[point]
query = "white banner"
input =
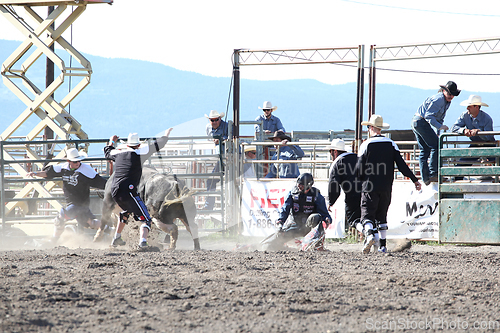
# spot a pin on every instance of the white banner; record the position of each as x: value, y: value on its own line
x: 261, y: 201
x: 412, y: 214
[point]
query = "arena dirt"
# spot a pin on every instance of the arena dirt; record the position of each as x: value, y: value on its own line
x: 82, y: 287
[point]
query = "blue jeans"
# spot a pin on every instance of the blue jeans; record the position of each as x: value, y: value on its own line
x: 81, y: 213
x: 211, y: 187
x: 428, y: 142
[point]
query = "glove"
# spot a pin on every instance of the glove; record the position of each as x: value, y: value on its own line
x: 279, y: 227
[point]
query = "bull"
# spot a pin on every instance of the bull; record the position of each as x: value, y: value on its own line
x: 166, y: 197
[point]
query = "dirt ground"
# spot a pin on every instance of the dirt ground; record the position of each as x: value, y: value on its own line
x: 82, y: 287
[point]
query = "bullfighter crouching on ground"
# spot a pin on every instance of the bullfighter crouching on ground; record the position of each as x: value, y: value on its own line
x: 308, y: 208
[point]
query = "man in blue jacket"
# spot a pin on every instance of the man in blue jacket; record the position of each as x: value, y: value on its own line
x: 270, y: 123
x: 286, y: 152
x: 307, y: 207
x: 470, y: 123
x: 215, y: 128
x: 432, y: 113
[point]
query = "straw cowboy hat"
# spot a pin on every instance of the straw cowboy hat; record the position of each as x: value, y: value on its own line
x: 214, y: 114
x: 451, y: 87
x: 74, y: 155
x: 281, y: 135
x: 376, y: 121
x: 473, y: 100
x: 249, y: 148
x: 268, y: 106
x: 337, y: 144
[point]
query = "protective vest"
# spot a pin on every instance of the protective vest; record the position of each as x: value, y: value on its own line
x: 303, y: 204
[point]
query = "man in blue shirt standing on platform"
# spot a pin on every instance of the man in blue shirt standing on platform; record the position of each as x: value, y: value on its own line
x: 286, y: 152
x: 216, y: 127
x: 271, y: 123
x: 432, y: 113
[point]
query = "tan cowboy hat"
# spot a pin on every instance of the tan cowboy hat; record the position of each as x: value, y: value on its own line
x: 74, y: 155
x: 337, y: 144
x: 376, y: 121
x: 473, y: 100
x: 281, y: 135
x: 214, y: 114
x: 268, y: 106
x: 249, y: 148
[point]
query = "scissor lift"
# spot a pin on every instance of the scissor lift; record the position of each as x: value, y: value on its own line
x: 39, y: 101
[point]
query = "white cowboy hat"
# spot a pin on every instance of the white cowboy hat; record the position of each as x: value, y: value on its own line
x: 473, y: 100
x: 268, y: 106
x: 133, y: 140
x: 376, y: 121
x: 214, y: 114
x: 74, y: 155
x: 337, y: 144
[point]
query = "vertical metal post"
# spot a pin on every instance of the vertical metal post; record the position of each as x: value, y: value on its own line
x: 49, y: 79
x: 260, y: 151
x: 371, y: 83
x: 2, y: 183
x: 236, y: 93
x: 359, y: 99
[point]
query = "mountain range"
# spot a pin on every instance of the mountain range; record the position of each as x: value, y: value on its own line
x: 138, y: 96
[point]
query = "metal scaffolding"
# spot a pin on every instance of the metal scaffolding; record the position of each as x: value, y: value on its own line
x: 354, y: 54
x: 425, y: 51
x: 40, y: 101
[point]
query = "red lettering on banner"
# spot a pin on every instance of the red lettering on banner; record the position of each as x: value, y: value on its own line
x: 274, y: 198
x: 256, y: 198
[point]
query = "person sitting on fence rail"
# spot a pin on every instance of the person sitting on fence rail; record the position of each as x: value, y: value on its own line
x: 474, y: 120
x: 470, y: 123
x: 375, y: 169
x: 216, y: 127
x: 270, y: 123
x: 77, y: 179
x: 248, y: 168
x: 343, y: 176
x: 286, y: 152
x: 307, y: 207
x: 432, y: 113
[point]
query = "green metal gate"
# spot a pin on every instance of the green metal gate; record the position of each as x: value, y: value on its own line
x: 469, y: 209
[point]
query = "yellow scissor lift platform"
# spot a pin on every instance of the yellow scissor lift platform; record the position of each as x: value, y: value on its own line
x: 39, y: 101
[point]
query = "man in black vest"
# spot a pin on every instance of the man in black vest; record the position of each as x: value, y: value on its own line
x: 343, y: 176
x: 128, y: 163
x: 308, y: 208
x: 375, y: 168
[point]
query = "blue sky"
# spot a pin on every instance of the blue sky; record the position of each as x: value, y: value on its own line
x: 200, y: 36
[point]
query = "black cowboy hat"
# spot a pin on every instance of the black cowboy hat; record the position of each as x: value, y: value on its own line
x: 281, y: 135
x: 451, y: 87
